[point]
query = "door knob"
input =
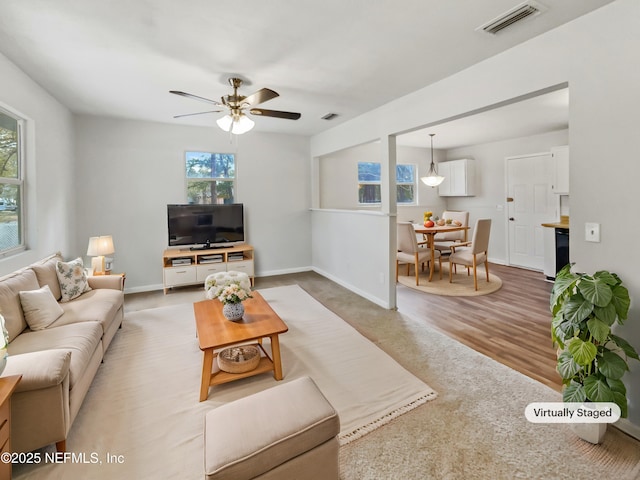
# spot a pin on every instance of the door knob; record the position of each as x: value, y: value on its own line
x: 511, y: 219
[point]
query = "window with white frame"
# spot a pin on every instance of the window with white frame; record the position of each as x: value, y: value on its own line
x: 369, y: 181
x: 11, y: 184
x: 210, y: 177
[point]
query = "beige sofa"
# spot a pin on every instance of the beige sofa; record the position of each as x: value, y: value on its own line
x: 57, y: 363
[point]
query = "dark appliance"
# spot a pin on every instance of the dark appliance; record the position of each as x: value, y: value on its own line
x: 562, y: 248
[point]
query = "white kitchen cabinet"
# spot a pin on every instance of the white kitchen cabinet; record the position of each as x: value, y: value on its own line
x: 561, y: 160
x: 459, y: 178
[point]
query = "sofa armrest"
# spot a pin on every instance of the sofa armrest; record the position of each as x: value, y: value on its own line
x: 39, y: 370
x: 114, y: 282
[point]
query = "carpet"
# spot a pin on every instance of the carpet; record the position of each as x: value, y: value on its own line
x: 142, y: 411
x: 462, y: 285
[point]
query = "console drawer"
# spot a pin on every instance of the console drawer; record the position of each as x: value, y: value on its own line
x: 180, y: 276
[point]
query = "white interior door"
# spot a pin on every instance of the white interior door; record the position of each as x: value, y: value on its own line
x: 530, y: 203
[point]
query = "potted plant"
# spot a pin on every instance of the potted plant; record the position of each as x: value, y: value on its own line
x: 591, y: 359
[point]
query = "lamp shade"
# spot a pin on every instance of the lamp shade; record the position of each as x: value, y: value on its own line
x: 100, y: 246
x: 432, y: 180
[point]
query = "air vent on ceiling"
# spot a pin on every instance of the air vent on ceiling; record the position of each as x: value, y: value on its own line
x: 329, y: 116
x: 512, y: 16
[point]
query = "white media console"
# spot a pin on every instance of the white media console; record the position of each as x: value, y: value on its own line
x: 190, y: 267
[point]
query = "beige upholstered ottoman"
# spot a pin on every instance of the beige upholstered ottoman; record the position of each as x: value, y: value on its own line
x: 287, y: 432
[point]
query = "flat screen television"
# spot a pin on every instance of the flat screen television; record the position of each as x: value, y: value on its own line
x: 205, y: 226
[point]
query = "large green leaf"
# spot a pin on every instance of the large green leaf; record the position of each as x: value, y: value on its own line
x: 582, y: 352
x: 606, y: 314
x: 626, y: 347
x: 607, y: 277
x: 597, y: 390
x: 562, y: 286
x: 561, y: 330
x: 617, y: 386
x: 612, y: 365
x: 621, y: 400
x: 567, y: 367
x: 598, y: 330
x: 574, y: 392
x: 577, y: 308
x: 595, y: 290
x: 621, y: 301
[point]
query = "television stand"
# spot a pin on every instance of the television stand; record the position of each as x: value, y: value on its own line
x: 198, y: 264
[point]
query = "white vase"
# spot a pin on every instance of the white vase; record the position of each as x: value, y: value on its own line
x: 233, y: 311
x: 590, y: 432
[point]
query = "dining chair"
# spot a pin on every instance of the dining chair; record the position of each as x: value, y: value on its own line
x: 444, y: 241
x: 409, y: 251
x: 471, y: 254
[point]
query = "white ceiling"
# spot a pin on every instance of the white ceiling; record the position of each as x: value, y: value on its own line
x: 541, y: 114
x: 120, y: 58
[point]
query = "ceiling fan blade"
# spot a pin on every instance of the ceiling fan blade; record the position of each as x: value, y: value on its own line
x: 199, y: 113
x: 261, y: 96
x: 196, y: 97
x: 275, y: 113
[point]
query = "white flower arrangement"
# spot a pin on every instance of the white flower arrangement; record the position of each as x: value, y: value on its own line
x: 4, y: 338
x: 228, y: 287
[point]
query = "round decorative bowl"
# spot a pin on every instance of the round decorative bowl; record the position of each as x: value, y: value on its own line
x: 239, y: 359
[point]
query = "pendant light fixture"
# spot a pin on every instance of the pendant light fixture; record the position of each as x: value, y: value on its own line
x: 432, y: 179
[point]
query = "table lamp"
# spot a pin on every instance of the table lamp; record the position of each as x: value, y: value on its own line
x: 98, y: 248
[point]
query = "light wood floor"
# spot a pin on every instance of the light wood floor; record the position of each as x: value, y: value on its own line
x: 512, y: 325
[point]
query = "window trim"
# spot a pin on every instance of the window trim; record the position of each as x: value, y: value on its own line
x: 233, y: 180
x: 21, y: 181
x: 379, y: 182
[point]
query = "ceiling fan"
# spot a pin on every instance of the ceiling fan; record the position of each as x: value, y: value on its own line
x: 236, y: 121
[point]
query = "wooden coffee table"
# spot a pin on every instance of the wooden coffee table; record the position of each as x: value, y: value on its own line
x: 216, y: 332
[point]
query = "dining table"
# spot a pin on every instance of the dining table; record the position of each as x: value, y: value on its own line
x: 431, y: 232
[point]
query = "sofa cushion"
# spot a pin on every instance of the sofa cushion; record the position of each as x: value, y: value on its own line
x: 72, y: 279
x: 39, y: 307
x: 45, y: 271
x: 81, y: 339
x: 98, y: 305
x: 254, y: 434
x: 10, y: 307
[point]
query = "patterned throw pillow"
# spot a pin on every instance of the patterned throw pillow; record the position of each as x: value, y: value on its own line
x: 72, y: 279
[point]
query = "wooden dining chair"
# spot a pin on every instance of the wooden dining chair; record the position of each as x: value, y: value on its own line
x: 409, y: 251
x: 471, y: 254
x: 444, y: 241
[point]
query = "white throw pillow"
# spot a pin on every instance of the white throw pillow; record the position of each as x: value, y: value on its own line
x: 40, y: 308
x: 72, y: 279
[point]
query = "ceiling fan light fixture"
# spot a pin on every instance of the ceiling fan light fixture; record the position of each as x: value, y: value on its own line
x: 237, y: 124
x: 242, y: 124
x: 225, y: 122
x: 432, y: 179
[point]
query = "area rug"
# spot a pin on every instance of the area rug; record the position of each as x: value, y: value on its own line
x: 142, y: 417
x: 462, y: 285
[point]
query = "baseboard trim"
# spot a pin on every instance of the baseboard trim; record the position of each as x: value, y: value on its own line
x: 629, y: 428
x: 353, y: 288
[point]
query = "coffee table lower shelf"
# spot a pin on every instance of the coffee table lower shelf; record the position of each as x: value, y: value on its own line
x: 266, y: 365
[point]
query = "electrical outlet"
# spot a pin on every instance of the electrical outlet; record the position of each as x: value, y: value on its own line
x: 592, y: 232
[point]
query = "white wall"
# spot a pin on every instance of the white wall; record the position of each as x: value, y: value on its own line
x: 597, y: 56
x: 130, y: 171
x: 338, y: 179
x: 490, y: 198
x: 50, y: 173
